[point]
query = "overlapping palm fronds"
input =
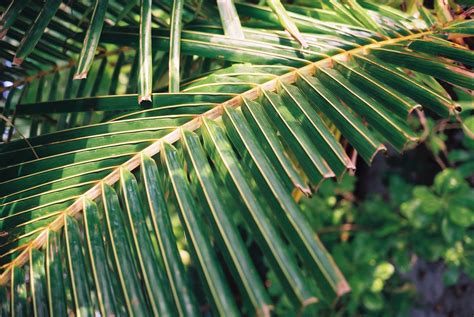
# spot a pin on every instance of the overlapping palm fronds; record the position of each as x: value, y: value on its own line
x: 226, y: 131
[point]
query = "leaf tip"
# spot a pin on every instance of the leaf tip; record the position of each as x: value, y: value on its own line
x: 309, y: 301
x: 265, y: 310
x: 144, y: 99
x: 329, y: 174
x: 350, y: 166
x: 80, y: 75
x: 303, y: 42
x: 381, y: 148
x: 304, y: 189
x: 342, y: 288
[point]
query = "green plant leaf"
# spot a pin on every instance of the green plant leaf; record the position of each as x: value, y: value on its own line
x: 213, y: 170
x: 91, y: 39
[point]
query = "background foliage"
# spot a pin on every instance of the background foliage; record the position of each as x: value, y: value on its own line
x: 405, y: 237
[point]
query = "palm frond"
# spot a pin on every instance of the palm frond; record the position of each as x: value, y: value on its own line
x: 88, y: 226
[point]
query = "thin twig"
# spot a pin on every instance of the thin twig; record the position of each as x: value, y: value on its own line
x: 424, y: 125
x: 342, y: 228
x: 57, y: 68
x: 354, y: 161
x: 439, y: 161
x: 21, y: 134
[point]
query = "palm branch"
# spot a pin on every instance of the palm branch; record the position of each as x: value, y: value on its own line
x: 222, y: 130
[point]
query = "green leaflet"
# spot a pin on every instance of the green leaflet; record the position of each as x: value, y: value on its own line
x: 4, y: 305
x: 296, y: 139
x: 362, y: 15
x: 231, y: 172
x: 392, y: 128
x: 439, y: 47
x: 230, y: 19
x: 245, y: 271
x: 460, y: 27
x: 119, y: 102
x: 29, y: 41
x: 38, y: 283
x: 126, y: 269
x: 77, y: 268
x: 291, y: 220
x: 175, y: 46
x: 18, y: 293
x: 179, y: 284
x: 116, y: 73
x: 105, y: 290
x: 9, y: 16
x: 152, y: 271
x: 286, y: 21
x: 54, y: 276
x: 145, y: 53
x: 427, y: 16
x: 404, y: 84
x: 314, y: 126
x: 191, y: 219
x: 99, y: 77
x: 91, y: 39
x: 265, y: 132
x: 349, y: 125
x: 400, y: 105
x: 134, y: 74
x: 443, y: 71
